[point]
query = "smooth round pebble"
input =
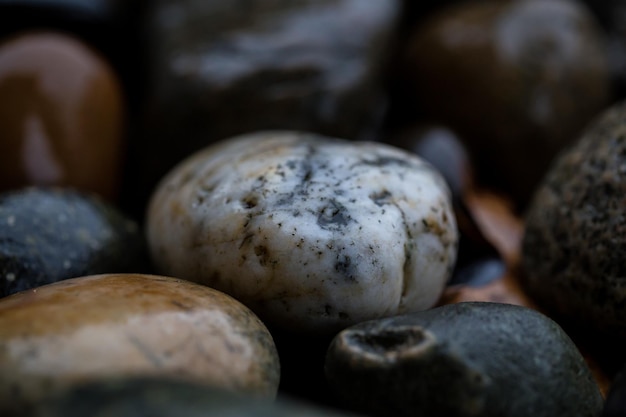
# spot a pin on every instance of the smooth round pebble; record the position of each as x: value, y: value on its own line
x: 575, y: 237
x: 139, y: 397
x: 466, y: 359
x: 51, y: 234
x: 312, y: 233
x: 116, y: 325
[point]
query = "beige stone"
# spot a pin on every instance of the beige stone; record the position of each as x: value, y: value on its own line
x: 130, y: 325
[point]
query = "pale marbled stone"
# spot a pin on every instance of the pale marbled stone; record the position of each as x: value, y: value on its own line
x: 312, y: 233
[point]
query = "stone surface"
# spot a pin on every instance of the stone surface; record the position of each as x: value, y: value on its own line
x: 478, y: 262
x: 576, y: 231
x: 220, y: 69
x: 312, y: 233
x: 516, y: 80
x: 117, y: 325
x: 466, y: 359
x: 61, y: 115
x: 139, y: 397
x: 47, y: 235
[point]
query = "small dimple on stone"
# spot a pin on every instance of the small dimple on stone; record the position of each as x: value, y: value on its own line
x: 11, y: 221
x: 386, y: 342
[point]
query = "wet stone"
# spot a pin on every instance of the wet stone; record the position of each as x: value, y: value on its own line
x: 575, y: 237
x: 51, y: 234
x: 466, y: 359
x: 61, y: 115
x: 92, y: 328
x: 518, y: 81
x: 220, y: 69
x: 313, y: 233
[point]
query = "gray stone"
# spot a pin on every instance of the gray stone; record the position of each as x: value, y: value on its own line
x: 48, y: 235
x: 223, y: 68
x: 467, y: 359
x: 575, y: 240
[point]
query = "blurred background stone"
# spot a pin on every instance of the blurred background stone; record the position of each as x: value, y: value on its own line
x: 109, y: 26
x: 62, y: 115
x: 612, y: 16
x: 219, y: 69
x: 517, y: 80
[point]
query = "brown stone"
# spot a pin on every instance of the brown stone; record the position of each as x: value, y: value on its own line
x: 121, y: 325
x: 516, y: 80
x: 61, y: 115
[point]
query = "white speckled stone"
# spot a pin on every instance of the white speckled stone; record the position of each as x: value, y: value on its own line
x: 312, y: 233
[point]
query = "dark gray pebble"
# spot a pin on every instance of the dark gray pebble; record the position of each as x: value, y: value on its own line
x: 467, y: 359
x: 575, y: 239
x: 139, y: 397
x: 47, y: 235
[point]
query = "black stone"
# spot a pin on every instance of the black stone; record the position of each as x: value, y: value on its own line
x: 47, y: 235
x: 467, y: 359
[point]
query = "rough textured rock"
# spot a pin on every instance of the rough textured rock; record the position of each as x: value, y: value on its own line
x: 61, y: 116
x: 51, y: 234
x: 91, y: 328
x: 139, y: 397
x: 312, y: 233
x: 576, y: 231
x: 517, y: 80
x: 466, y: 359
x: 223, y: 68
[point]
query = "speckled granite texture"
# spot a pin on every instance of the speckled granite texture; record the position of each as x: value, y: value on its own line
x: 575, y: 240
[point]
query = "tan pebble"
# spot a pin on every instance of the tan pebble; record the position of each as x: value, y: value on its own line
x: 127, y: 325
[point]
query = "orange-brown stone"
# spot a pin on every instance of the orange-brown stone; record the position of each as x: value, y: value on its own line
x: 119, y: 325
x: 61, y: 115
